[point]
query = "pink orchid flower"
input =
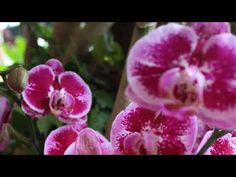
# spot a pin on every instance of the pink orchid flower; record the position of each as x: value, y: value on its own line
x: 5, y: 113
x: 139, y: 131
x: 225, y: 145
x: 186, y: 70
x: 51, y: 89
x: 76, y: 139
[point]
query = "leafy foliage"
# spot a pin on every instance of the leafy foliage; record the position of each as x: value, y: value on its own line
x: 107, y: 50
x: 44, y: 124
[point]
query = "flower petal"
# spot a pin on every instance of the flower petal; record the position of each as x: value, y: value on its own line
x: 35, y: 95
x: 75, y: 85
x: 150, y: 142
x: 31, y: 112
x: 88, y: 143
x: 135, y: 98
x: 166, y: 47
x: 56, y: 66
x: 172, y: 136
x: 5, y: 111
x: 132, y: 144
x: 60, y: 139
x: 219, y: 96
x: 70, y: 150
x: 106, y: 148
x: 225, y: 145
x: 205, y: 30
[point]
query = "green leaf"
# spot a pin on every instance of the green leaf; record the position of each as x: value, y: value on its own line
x: 16, y: 52
x: 103, y: 98
x: 3, y: 68
x: 44, y: 124
x: 97, y: 119
x: 20, y: 122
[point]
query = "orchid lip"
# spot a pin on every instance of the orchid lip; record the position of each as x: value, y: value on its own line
x: 182, y: 85
x: 61, y: 102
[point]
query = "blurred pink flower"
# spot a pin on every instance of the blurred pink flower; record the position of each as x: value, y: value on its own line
x: 186, y: 70
x: 140, y: 131
x: 76, y: 139
x: 5, y: 113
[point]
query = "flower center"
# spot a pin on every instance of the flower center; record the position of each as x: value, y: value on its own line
x: 184, y: 85
x: 145, y: 142
x: 61, y: 103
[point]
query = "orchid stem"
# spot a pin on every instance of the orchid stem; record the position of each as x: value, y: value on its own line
x: 18, y: 135
x: 35, y: 140
x: 215, y: 135
x: 10, y: 68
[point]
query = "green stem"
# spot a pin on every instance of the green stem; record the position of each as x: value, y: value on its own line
x: 35, y: 140
x: 215, y: 135
x: 10, y: 68
x: 19, y: 136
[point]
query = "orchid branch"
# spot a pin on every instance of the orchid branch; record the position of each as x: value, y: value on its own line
x: 215, y: 135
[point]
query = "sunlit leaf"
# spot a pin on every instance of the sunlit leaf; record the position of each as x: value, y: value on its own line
x: 16, y: 52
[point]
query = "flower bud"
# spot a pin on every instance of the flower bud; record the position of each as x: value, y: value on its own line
x: 17, y: 79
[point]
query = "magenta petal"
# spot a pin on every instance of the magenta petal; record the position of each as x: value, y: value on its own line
x: 135, y: 98
x: 206, y: 30
x: 30, y: 112
x: 106, y: 148
x: 70, y: 150
x: 219, y: 96
x: 150, y: 142
x: 172, y: 136
x: 60, y: 139
x: 168, y: 46
x: 56, y: 66
x: 132, y: 144
x: 88, y: 143
x: 40, y: 81
x: 75, y: 85
x: 225, y: 145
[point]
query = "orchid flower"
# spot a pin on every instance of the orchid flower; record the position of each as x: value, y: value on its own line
x: 50, y: 89
x: 76, y: 139
x: 140, y: 131
x: 186, y: 70
x: 5, y: 114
